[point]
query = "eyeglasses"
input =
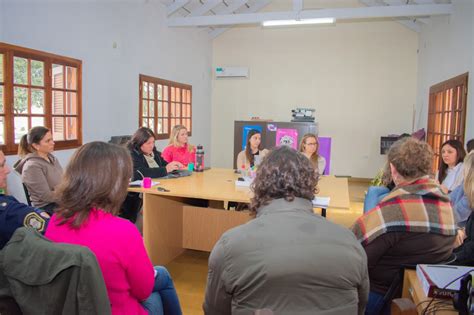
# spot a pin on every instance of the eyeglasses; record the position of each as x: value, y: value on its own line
x: 312, y: 143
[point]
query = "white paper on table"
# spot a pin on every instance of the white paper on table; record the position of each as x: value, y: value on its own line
x: 322, y: 202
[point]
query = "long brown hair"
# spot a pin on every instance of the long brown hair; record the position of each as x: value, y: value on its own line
x: 460, y: 154
x: 35, y: 135
x: 96, y: 177
x: 314, y: 157
x: 248, y: 149
x: 139, y: 138
x: 283, y: 173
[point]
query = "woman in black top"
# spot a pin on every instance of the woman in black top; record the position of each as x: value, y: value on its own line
x: 147, y: 162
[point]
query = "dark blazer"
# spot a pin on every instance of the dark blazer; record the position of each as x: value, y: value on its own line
x: 140, y: 165
x: 51, y: 278
x: 465, y: 252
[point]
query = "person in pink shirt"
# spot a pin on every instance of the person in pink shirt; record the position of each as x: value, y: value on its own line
x: 179, y: 149
x: 89, y: 197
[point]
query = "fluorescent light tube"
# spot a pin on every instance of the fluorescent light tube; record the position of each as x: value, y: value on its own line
x: 298, y: 22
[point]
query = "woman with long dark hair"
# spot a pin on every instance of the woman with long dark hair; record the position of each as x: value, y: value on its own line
x: 253, y: 154
x: 450, y: 173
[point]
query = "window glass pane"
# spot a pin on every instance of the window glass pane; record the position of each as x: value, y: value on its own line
x: 37, y: 121
x: 37, y: 73
x: 145, y: 122
x: 1, y: 99
x: 144, y: 108
x: 165, y: 125
x: 58, y: 128
x: 165, y: 92
x: 145, y: 90
x: 178, y: 111
x: 160, y: 92
x: 152, y: 91
x: 37, y: 101
x: 160, y: 109
x: 178, y: 95
x: 58, y: 76
x: 71, y: 103
x: 1, y: 69
x: 21, y: 127
x: 159, y: 126
x: 20, y: 100
x: 151, y: 124
x: 71, y: 78
x: 188, y: 92
x: 71, y: 128
x: 20, y: 70
x: 173, y: 94
x: 152, y: 109
x: 58, y: 102
x: 165, y: 109
x: 173, y: 111
x: 2, y: 130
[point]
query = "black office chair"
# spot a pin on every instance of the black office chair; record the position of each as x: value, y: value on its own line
x: 395, y: 289
x: 27, y: 195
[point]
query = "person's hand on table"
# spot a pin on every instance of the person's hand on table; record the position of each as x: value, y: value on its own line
x: 173, y: 166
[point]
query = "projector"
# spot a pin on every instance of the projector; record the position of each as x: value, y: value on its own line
x: 302, y: 115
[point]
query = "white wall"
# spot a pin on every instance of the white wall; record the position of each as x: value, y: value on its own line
x: 447, y: 50
x: 360, y: 77
x: 87, y: 30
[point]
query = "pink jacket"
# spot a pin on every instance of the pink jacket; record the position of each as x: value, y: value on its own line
x: 180, y: 154
x: 119, y: 248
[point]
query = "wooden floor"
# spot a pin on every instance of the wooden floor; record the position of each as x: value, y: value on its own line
x: 189, y: 271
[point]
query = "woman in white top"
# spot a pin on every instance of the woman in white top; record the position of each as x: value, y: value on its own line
x: 309, y: 146
x: 252, y: 155
x: 450, y: 173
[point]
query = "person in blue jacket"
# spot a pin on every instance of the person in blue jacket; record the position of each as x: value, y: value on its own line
x: 14, y: 214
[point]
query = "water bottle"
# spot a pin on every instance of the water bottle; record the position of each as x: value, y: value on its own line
x: 199, y: 166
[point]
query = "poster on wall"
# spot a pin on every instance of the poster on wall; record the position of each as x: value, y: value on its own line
x: 245, y: 131
x: 288, y: 137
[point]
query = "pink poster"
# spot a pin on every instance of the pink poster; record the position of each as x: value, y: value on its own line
x: 287, y: 137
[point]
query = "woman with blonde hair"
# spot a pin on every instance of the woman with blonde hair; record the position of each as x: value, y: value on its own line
x: 179, y: 150
x: 309, y: 146
x: 465, y: 252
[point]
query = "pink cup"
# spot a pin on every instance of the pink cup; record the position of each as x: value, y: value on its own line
x: 146, y: 183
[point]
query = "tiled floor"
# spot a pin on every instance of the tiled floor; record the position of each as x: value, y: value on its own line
x: 189, y: 271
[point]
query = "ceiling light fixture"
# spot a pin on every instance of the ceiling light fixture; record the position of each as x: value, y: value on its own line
x: 298, y: 22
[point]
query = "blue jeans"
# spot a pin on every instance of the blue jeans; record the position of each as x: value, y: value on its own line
x: 373, y: 196
x: 163, y: 298
x: 374, y: 305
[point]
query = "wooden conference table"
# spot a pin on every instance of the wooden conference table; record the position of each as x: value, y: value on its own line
x: 172, y: 224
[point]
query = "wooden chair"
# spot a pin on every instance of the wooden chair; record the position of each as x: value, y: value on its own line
x: 403, y: 306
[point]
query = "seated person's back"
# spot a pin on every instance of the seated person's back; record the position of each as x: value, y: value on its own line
x: 287, y: 259
x: 413, y: 224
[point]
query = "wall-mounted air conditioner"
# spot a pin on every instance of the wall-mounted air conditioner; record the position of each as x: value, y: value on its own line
x: 232, y: 72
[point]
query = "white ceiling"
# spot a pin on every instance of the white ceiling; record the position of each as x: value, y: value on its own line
x: 217, y: 16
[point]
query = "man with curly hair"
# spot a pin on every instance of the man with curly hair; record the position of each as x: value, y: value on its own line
x: 287, y: 259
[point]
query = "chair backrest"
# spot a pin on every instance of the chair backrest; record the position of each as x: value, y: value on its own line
x: 16, y: 188
x: 27, y: 195
x: 395, y: 289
